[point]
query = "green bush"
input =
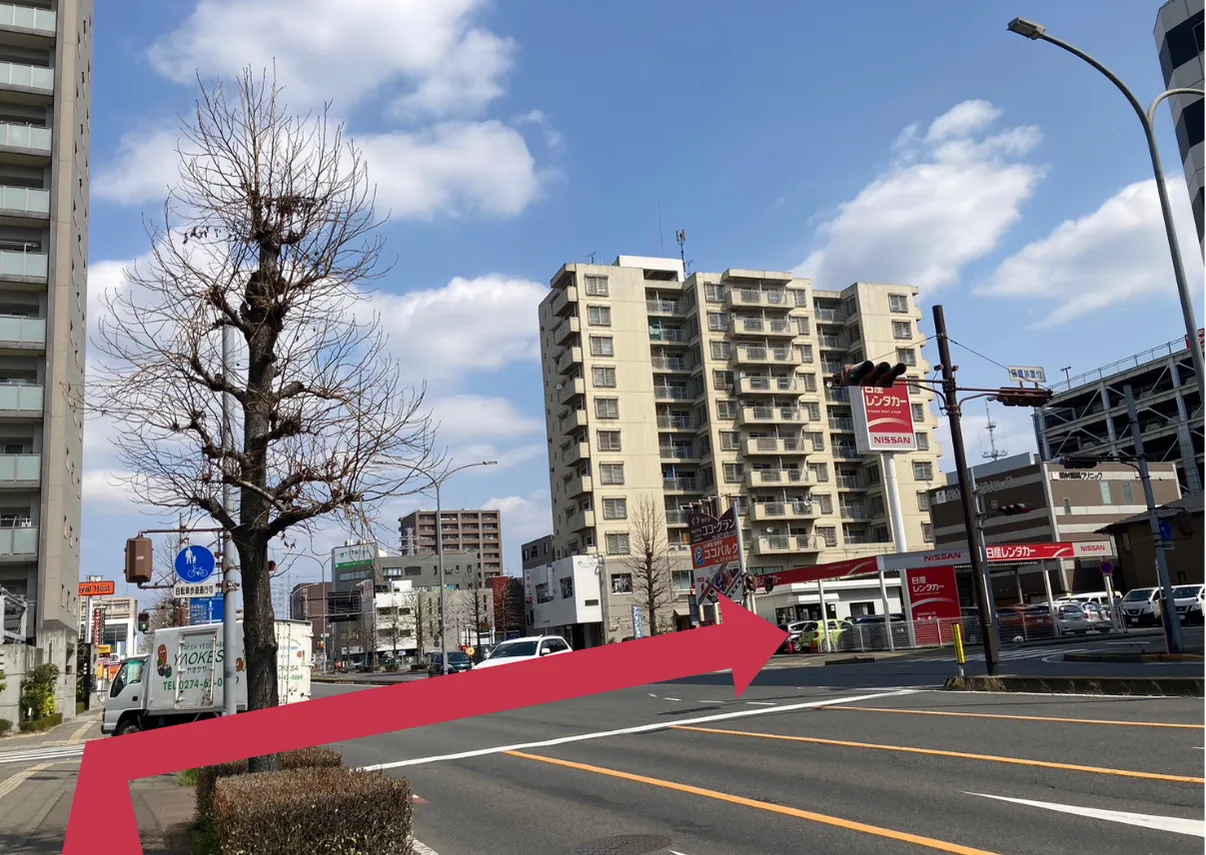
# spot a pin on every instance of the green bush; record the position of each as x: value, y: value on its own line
x: 5, y: 726
x: 38, y: 725
x: 313, y: 811
x: 208, y: 776
x: 37, y: 692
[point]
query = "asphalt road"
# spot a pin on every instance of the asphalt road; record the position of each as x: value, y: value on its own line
x: 687, y: 768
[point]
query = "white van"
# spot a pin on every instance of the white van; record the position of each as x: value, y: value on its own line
x: 1141, y: 606
x: 1190, y: 601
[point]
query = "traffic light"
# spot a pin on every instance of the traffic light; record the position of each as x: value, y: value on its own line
x: 1015, y: 509
x: 144, y: 622
x: 868, y: 373
x: 138, y: 560
x: 768, y: 583
x: 1021, y: 396
x: 750, y: 584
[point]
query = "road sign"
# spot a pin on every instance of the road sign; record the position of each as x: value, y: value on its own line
x: 195, y: 564
x: 883, y: 419
x: 1106, y: 568
x: 1027, y: 373
x: 185, y: 591
x: 205, y: 610
x: 98, y: 588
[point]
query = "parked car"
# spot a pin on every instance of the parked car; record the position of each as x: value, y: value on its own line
x: 1099, y: 617
x: 525, y: 650
x: 1141, y: 606
x: 791, y: 644
x: 457, y: 662
x: 1189, y: 601
x: 1022, y: 623
x: 866, y: 632
x: 813, y: 633
x: 1071, y: 619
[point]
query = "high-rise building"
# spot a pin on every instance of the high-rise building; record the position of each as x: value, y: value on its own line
x: 473, y: 531
x: 661, y: 389
x: 1179, y: 41
x: 1087, y: 414
x: 45, y: 137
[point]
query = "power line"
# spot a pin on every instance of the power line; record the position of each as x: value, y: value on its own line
x: 981, y: 355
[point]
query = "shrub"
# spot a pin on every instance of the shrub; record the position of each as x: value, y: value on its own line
x: 207, y: 777
x: 38, y: 725
x: 37, y: 692
x: 5, y: 726
x: 313, y: 811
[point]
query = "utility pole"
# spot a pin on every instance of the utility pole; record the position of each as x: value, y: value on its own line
x: 983, y: 586
x: 230, y: 697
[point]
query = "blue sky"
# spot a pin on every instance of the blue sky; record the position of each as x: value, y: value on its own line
x: 508, y: 139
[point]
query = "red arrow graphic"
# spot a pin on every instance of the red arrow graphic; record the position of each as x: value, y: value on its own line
x: 743, y: 643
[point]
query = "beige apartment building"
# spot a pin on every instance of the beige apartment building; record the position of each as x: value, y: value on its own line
x: 662, y: 388
x: 45, y: 138
x: 461, y: 530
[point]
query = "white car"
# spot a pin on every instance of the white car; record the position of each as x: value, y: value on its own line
x: 524, y: 650
x: 1141, y: 605
x: 1189, y: 600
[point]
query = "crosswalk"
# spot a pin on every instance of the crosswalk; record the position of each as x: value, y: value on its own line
x: 56, y: 753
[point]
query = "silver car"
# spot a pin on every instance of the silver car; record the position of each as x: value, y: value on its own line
x: 1098, y: 617
x: 1071, y: 619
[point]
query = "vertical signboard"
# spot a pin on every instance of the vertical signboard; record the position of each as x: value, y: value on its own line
x: 883, y: 419
x: 638, y: 623
x: 715, y: 553
x: 934, y: 602
x: 98, y: 626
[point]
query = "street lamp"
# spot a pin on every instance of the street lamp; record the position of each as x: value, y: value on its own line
x: 1037, y: 32
x: 436, y: 483
x: 323, y: 624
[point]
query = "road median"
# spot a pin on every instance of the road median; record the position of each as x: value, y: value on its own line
x: 1146, y: 686
x: 1131, y: 657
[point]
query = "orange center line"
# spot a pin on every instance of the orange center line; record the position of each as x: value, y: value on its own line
x: 1020, y: 717
x: 938, y: 752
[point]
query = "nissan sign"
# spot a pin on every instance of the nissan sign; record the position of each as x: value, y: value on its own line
x: 883, y: 419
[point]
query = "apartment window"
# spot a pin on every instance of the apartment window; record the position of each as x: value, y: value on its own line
x: 621, y: 583
x: 923, y: 501
x: 820, y: 471
x: 722, y: 380
x: 607, y: 408
x: 721, y: 350
x: 919, y: 412
x: 906, y: 356
x: 923, y: 441
x: 617, y: 544
x: 806, y: 353
x: 802, y: 326
x: 927, y: 532
x: 1106, y: 499
x: 602, y: 345
x: 682, y: 580
x: 611, y: 474
x: 732, y: 473
x: 596, y: 286
x: 824, y: 502
x: 1128, y: 494
x: 726, y: 409
x: 923, y: 471
x: 714, y: 293
x: 598, y: 316
x: 609, y: 440
x: 718, y: 321
x: 810, y: 382
x: 818, y: 441
x: 902, y: 329
x: 615, y: 509
x: 1067, y: 507
x: 827, y: 534
x: 604, y: 378
x: 813, y: 410
x: 898, y: 303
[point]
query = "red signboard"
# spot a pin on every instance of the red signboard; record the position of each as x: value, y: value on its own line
x: 104, y: 588
x: 98, y: 625
x: 934, y: 598
x: 833, y: 570
x: 884, y: 419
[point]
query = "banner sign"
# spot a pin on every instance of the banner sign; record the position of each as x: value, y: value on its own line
x: 715, y: 553
x: 883, y: 419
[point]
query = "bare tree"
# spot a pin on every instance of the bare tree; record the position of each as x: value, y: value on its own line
x: 650, y: 561
x: 270, y: 236
x: 508, y: 608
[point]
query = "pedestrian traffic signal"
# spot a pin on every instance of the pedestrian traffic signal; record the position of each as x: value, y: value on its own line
x: 144, y: 621
x: 1021, y: 396
x: 768, y: 583
x: 1015, y: 509
x: 867, y: 373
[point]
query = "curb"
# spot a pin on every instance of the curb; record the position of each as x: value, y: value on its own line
x: 1191, y: 687
x: 1134, y: 657
x: 853, y: 660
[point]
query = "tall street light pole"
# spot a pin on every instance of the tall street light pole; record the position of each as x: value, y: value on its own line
x: 1037, y: 32
x: 437, y: 483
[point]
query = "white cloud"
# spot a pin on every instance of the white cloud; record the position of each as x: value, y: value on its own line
x: 477, y: 416
x: 1014, y: 434
x: 1114, y: 255
x: 147, y: 164
x: 552, y: 137
x: 349, y: 50
x: 524, y: 518
x: 104, y: 492
x: 949, y: 196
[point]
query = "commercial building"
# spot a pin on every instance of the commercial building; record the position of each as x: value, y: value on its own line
x: 477, y: 531
x: 1088, y: 414
x: 45, y: 140
x: 538, y: 552
x: 1179, y: 42
x: 1065, y: 505
x: 308, y: 601
x: 1136, y: 547
x: 116, y: 618
x: 661, y: 389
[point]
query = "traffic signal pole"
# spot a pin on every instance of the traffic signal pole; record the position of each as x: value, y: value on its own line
x: 979, y: 562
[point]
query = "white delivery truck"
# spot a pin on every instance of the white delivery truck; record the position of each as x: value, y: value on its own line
x: 179, y: 679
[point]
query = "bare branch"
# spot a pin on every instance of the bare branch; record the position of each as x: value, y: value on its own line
x: 650, y: 561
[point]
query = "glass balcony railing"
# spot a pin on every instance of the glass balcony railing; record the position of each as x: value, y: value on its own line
x: 26, y: 76
x: 27, y: 18
x: 22, y: 330
x: 20, y: 467
x: 18, y: 540
x: 33, y: 265
x: 24, y: 136
x: 15, y: 397
x: 25, y: 199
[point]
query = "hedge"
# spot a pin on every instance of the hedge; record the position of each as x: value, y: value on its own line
x: 313, y: 811
x: 40, y: 725
x: 208, y: 776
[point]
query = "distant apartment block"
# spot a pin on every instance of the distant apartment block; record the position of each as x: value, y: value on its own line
x: 1179, y: 42
x: 478, y: 531
x: 662, y: 388
x: 1088, y: 412
x: 538, y: 552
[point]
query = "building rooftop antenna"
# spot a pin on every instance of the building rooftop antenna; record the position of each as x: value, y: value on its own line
x: 681, y: 237
x: 993, y: 453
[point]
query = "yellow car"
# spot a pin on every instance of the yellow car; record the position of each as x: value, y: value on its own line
x: 812, y: 635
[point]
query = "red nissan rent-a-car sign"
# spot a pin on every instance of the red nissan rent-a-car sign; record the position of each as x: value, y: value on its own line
x: 883, y: 419
x: 934, y: 597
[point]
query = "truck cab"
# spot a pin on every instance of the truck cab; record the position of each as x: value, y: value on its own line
x: 127, y: 694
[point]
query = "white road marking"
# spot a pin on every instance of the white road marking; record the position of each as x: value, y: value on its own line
x: 422, y: 848
x: 705, y: 701
x: 66, y: 752
x: 760, y: 703
x: 628, y: 731
x: 1175, y: 824
x: 676, y: 700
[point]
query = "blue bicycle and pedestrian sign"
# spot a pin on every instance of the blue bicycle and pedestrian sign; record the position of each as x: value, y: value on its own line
x: 195, y: 564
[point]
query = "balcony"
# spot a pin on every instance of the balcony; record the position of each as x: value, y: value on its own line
x: 580, y: 520
x: 565, y: 328
x: 678, y: 452
x: 569, y: 357
x: 843, y: 451
x: 18, y: 542
x: 40, y: 21
x: 779, y: 478
x: 575, y: 420
x: 24, y: 202
x: 783, y: 544
x: 772, y: 416
x: 578, y: 486
x: 829, y: 316
x: 570, y: 389
x: 841, y: 424
x: 767, y: 511
x: 775, y: 445
x: 20, y: 399
x: 850, y: 482
x: 765, y: 355
x: 663, y: 307
x: 672, y: 393
x: 33, y: 78
x: 680, y: 485
x: 768, y: 386
x: 765, y: 327
x: 676, y: 517
x: 25, y: 138
x: 854, y: 512
x: 670, y: 363
x: 837, y: 395
x: 833, y: 342
x: 20, y: 470
x: 18, y: 332
x: 576, y: 452
x: 565, y: 302
x: 667, y: 335
x: 750, y: 298
x: 26, y: 266
x: 666, y: 421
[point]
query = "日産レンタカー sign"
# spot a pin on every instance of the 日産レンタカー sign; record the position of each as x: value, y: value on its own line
x: 883, y: 419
